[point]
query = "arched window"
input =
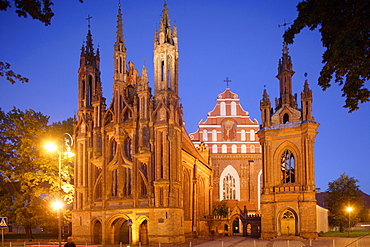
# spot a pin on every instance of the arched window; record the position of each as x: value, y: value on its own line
x: 144, y: 190
x: 214, y: 135
x: 205, y: 135
x: 243, y: 136
x: 253, y: 149
x: 287, y: 167
x: 229, y: 188
x: 233, y: 108
x: 234, y: 149
x: 252, y: 135
x: 244, y: 149
x: 128, y: 148
x: 214, y: 148
x: 115, y: 183
x: 222, y: 109
x: 128, y: 182
x: 224, y: 148
x: 229, y: 184
x: 286, y: 118
x: 113, y: 147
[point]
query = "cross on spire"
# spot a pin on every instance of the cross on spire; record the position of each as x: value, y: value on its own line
x: 88, y: 20
x: 227, y: 82
x: 284, y: 24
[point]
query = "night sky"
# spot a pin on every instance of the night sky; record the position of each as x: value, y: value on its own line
x: 238, y: 39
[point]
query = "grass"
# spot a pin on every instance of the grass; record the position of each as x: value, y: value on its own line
x: 345, y: 234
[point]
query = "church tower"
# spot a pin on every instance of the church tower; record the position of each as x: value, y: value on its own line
x: 287, y: 136
x: 167, y: 128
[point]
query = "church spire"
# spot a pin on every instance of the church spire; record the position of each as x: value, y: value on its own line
x: 165, y: 56
x: 87, y: 51
x: 119, y: 50
x: 285, y: 73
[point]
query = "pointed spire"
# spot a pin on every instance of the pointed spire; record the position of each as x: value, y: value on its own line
x: 166, y: 34
x: 265, y: 98
x: 285, y: 63
x: 119, y: 32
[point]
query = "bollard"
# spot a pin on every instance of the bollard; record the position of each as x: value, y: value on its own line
x: 333, y: 243
x: 39, y: 244
x: 222, y: 243
x: 288, y: 244
x: 139, y: 244
x: 10, y: 244
x: 24, y: 244
x: 120, y: 244
x: 254, y: 243
x: 159, y: 244
x: 190, y: 244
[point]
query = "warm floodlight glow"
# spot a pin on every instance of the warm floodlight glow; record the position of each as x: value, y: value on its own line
x: 57, y: 205
x: 51, y: 147
x: 349, y: 209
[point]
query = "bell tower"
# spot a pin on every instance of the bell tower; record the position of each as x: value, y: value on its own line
x: 167, y: 134
x: 287, y: 136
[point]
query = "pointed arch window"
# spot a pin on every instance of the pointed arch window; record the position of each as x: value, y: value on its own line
x: 287, y: 167
x: 113, y: 147
x: 286, y: 118
x: 114, y: 183
x: 229, y: 187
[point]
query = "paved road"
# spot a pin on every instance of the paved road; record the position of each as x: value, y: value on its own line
x: 239, y: 241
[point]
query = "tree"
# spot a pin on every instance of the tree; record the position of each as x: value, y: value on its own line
x: 344, y: 27
x: 343, y: 193
x: 28, y: 174
x: 37, y: 9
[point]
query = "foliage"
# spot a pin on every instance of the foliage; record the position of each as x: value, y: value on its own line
x: 29, y: 176
x: 343, y: 193
x: 9, y: 74
x: 344, y: 27
x: 220, y: 209
x: 354, y: 234
x: 37, y: 9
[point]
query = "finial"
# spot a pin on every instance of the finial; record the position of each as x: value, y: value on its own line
x: 284, y: 24
x: 227, y: 82
x: 88, y: 20
x: 119, y: 4
x: 305, y: 75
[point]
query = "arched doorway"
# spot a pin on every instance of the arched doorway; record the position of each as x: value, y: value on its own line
x: 143, y: 237
x: 288, y: 223
x: 121, y: 231
x: 97, y: 232
x: 236, y: 224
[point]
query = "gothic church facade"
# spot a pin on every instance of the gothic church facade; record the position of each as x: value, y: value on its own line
x: 138, y: 177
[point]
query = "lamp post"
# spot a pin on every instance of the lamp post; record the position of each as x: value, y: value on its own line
x: 349, y: 209
x: 58, y: 205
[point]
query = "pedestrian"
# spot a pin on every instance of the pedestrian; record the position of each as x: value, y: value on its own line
x: 70, y: 243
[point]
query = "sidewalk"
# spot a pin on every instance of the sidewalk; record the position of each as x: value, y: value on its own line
x: 240, y: 241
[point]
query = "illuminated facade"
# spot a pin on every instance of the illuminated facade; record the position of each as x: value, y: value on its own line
x: 235, y: 151
x: 287, y: 136
x: 138, y: 178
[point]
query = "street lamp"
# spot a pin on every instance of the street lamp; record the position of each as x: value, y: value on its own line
x: 65, y: 150
x: 349, y: 209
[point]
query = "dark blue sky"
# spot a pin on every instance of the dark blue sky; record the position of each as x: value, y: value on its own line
x: 238, y: 39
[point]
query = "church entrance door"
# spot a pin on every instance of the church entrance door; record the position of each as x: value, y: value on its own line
x: 121, y: 231
x: 144, y: 233
x: 288, y: 223
x: 97, y: 232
